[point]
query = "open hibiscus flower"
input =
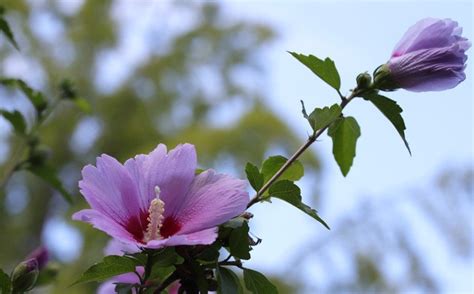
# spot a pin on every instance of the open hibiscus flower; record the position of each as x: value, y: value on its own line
x: 156, y: 200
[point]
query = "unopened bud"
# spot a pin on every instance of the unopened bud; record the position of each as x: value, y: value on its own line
x: 24, y: 275
x: 383, y: 79
x: 363, y: 80
x: 39, y: 155
x: 41, y: 255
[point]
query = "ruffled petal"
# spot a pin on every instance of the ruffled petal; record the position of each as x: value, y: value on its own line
x: 140, y: 167
x: 105, y: 224
x: 211, y: 200
x: 428, y: 33
x: 172, y: 172
x: 109, y: 189
x: 204, y: 237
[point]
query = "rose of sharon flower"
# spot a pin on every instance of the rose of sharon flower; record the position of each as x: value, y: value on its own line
x: 156, y: 200
x: 429, y: 57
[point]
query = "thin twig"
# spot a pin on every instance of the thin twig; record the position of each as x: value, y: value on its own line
x: 258, y: 197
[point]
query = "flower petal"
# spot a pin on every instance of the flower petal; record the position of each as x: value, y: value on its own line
x: 211, y: 200
x: 204, y: 237
x: 116, y: 247
x: 172, y: 172
x: 428, y: 33
x: 109, y: 189
x: 105, y: 224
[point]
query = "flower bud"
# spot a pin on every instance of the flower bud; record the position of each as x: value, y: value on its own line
x: 24, y: 275
x: 363, y: 80
x: 41, y: 255
x: 39, y: 155
x: 383, y: 79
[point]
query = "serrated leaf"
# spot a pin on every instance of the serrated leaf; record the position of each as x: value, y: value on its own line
x: 110, y: 266
x: 228, y: 282
x: 16, y: 119
x: 274, y: 163
x: 49, y: 175
x: 322, y: 117
x: 344, y: 133
x: 289, y: 192
x: 239, y: 242
x: 392, y: 111
x: 5, y: 283
x: 36, y: 98
x: 257, y: 283
x: 254, y: 176
x: 325, y: 69
x: 5, y: 28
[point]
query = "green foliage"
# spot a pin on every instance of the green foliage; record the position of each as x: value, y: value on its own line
x: 257, y: 283
x: 272, y: 164
x: 392, y: 111
x: 289, y: 192
x: 344, y: 133
x: 16, y: 119
x: 36, y: 98
x: 5, y: 283
x: 109, y: 267
x: 322, y: 117
x: 239, y: 242
x: 50, y: 175
x: 5, y: 29
x: 254, y: 176
x: 228, y: 281
x: 325, y: 69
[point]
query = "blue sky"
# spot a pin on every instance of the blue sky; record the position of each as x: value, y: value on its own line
x: 359, y: 36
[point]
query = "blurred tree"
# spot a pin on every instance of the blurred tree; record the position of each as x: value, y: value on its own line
x: 391, y: 244
x: 154, y: 72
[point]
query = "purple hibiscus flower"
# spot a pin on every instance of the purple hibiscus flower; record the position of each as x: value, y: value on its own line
x: 156, y: 200
x: 429, y: 57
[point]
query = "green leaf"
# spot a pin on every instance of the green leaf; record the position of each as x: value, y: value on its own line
x: 325, y: 69
x: 274, y: 163
x: 36, y: 98
x: 166, y: 257
x: 49, y: 175
x: 5, y: 283
x: 228, y: 282
x: 110, y: 266
x: 344, y: 133
x: 239, y: 242
x: 257, y: 283
x: 322, y: 117
x: 392, y: 112
x: 289, y: 192
x: 16, y: 119
x: 254, y: 176
x: 83, y: 104
x: 5, y: 28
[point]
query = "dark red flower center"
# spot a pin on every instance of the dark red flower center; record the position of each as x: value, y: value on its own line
x: 137, y: 226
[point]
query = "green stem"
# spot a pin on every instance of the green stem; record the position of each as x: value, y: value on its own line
x: 258, y: 197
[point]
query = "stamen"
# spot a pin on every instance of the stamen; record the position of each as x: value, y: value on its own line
x: 155, y: 217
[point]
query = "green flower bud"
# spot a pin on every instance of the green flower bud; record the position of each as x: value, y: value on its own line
x: 24, y: 275
x: 363, y: 80
x: 383, y: 79
x: 39, y: 155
